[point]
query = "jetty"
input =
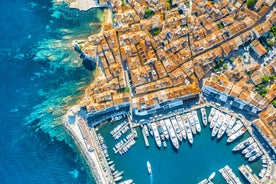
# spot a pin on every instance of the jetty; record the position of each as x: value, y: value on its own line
x: 247, y: 173
x: 229, y: 175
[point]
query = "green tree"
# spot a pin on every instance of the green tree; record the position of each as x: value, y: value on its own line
x: 265, y: 79
x: 273, y: 30
x: 250, y: 3
x: 274, y: 102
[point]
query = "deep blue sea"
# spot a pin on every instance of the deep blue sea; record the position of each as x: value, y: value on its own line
x: 40, y: 77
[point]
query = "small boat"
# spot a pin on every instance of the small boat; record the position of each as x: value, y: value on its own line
x: 149, y: 168
x: 130, y: 181
x: 212, y: 176
x: 164, y: 144
x: 118, y: 178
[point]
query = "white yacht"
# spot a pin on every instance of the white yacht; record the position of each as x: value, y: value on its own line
x: 204, y: 116
x: 243, y: 144
x: 196, y: 120
x: 181, y: 125
x: 236, y: 135
x: 215, y: 118
x: 166, y: 134
x: 217, y: 125
x: 172, y: 133
x: 149, y: 168
x: 250, y: 148
x: 188, y: 129
x: 211, y: 115
x: 223, y: 127
x: 176, y: 128
x: 231, y: 124
x: 192, y: 123
x: 156, y: 134
x: 235, y: 128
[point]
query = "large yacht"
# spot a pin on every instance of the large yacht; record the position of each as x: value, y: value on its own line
x: 235, y: 128
x: 192, y: 123
x: 217, y: 125
x: 166, y: 134
x: 181, y: 125
x: 156, y: 134
x: 243, y: 144
x: 172, y: 133
x: 231, y: 124
x: 223, y: 127
x: 215, y: 118
x: 196, y: 120
x: 176, y: 128
x: 211, y: 115
x: 204, y: 116
x: 188, y: 129
x: 236, y: 135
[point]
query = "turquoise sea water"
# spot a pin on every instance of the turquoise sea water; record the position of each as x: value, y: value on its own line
x: 40, y: 76
x: 190, y: 164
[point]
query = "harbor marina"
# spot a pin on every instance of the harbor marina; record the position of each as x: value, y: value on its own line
x: 180, y: 161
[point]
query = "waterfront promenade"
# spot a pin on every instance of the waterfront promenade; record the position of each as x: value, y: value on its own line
x: 88, y: 144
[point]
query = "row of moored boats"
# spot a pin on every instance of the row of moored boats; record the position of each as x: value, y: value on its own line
x: 249, y: 149
x: 229, y: 175
x: 221, y: 123
x: 176, y: 128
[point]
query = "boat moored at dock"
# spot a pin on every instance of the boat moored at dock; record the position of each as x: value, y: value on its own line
x: 192, y: 123
x: 211, y: 115
x: 243, y: 144
x: 188, y: 129
x: 172, y: 133
x: 204, y: 116
x: 156, y: 134
x: 235, y: 128
x: 217, y: 126
x: 166, y: 134
x: 223, y: 127
x: 236, y: 135
x: 196, y: 120
x: 231, y: 123
x: 215, y: 118
x: 181, y: 126
x: 176, y: 128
